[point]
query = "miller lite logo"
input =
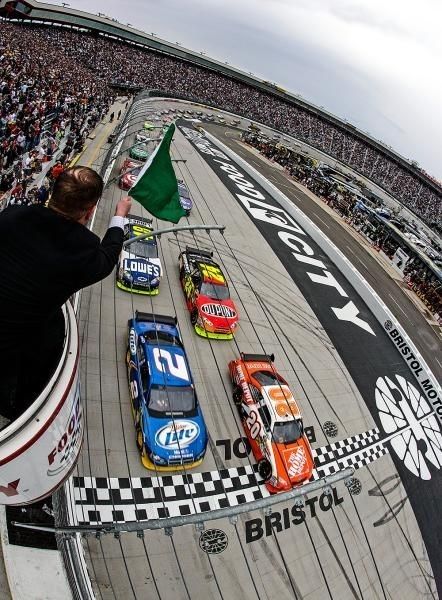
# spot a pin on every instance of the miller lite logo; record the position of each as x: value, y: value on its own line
x: 218, y: 310
x: 178, y: 435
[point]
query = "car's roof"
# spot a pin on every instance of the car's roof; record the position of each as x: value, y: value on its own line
x: 156, y: 353
x: 210, y: 271
x: 280, y: 402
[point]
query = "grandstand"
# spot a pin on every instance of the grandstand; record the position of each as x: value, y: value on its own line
x: 103, y: 47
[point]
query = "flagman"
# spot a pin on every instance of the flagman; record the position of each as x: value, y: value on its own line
x: 156, y: 187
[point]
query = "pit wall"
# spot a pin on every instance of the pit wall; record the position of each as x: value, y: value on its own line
x: 418, y: 367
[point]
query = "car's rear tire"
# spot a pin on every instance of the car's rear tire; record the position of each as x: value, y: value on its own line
x: 237, y: 396
x: 264, y: 469
x: 194, y: 316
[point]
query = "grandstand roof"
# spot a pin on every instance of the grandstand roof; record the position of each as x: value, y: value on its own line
x: 30, y: 11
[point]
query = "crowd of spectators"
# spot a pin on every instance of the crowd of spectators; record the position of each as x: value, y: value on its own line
x: 426, y: 286
x: 79, y: 66
x: 48, y: 105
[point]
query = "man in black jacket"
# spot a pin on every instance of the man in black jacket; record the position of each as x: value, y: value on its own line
x: 46, y: 255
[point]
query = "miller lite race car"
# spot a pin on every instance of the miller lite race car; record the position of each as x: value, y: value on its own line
x: 139, y: 268
x: 170, y: 429
x: 272, y: 422
x: 212, y: 312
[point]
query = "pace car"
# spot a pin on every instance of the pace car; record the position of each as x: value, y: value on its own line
x: 139, y: 268
x: 170, y: 429
x: 212, y: 312
x: 129, y: 173
x: 185, y: 199
x: 148, y: 126
x: 272, y: 422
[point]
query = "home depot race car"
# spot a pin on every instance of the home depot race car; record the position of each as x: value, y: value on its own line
x: 170, y: 429
x: 139, y: 268
x: 212, y: 312
x: 272, y: 422
x: 129, y: 173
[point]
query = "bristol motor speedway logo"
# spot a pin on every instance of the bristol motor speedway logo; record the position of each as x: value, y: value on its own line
x: 177, y: 435
x: 414, y: 430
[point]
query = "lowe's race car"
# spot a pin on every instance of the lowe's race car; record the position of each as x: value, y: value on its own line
x: 139, y: 268
x: 272, y: 422
x: 212, y: 311
x: 170, y: 429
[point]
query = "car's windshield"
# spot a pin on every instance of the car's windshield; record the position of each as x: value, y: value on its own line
x: 267, y: 378
x: 285, y: 432
x: 172, y: 399
x: 215, y: 291
x: 155, y: 336
x: 144, y: 250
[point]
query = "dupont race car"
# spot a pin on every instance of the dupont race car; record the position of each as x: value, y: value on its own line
x: 139, y: 152
x: 139, y: 268
x: 185, y: 199
x: 272, y: 422
x: 170, y: 429
x: 212, y: 312
x: 129, y: 173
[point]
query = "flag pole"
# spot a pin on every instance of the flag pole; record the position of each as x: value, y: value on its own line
x: 159, y: 232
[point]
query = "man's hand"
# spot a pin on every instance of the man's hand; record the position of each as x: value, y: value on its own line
x: 123, y: 207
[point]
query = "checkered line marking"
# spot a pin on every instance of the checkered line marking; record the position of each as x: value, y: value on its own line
x: 123, y: 499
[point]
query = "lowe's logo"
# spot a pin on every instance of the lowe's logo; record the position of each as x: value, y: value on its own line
x: 142, y: 267
x: 178, y: 435
x: 218, y: 310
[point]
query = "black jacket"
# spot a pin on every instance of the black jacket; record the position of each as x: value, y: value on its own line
x: 44, y: 259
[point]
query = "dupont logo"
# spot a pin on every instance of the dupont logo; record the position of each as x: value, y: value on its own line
x: 218, y: 310
x: 178, y: 435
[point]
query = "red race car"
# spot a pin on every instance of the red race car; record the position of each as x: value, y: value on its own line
x: 272, y: 422
x: 212, y: 312
x: 129, y: 171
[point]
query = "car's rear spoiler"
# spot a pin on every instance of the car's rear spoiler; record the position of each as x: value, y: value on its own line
x: 154, y: 318
x: 197, y: 252
x: 258, y: 357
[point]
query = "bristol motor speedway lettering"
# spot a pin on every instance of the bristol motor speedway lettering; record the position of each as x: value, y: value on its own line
x: 281, y: 520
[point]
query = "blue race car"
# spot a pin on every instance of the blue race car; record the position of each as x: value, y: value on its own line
x: 139, y: 269
x: 185, y: 199
x: 170, y: 429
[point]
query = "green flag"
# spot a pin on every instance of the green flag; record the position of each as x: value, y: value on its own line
x: 156, y: 186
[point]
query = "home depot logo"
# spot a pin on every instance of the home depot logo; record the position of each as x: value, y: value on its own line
x: 296, y: 462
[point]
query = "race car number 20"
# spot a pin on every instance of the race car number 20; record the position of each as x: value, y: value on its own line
x: 253, y: 424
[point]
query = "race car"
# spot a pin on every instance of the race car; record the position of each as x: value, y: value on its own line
x: 185, y: 199
x: 139, y: 152
x: 170, y: 429
x: 139, y: 267
x: 272, y: 422
x: 212, y: 312
x: 129, y: 173
x: 148, y: 126
x: 142, y: 136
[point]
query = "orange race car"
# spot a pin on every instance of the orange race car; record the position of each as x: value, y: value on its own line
x: 272, y: 422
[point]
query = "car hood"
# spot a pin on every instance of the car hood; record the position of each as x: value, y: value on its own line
x: 141, y: 269
x: 221, y: 309
x: 294, y: 461
x: 172, y: 438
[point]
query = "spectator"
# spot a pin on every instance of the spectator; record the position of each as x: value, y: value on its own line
x: 47, y: 255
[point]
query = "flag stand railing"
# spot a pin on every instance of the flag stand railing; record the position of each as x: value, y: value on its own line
x: 159, y: 232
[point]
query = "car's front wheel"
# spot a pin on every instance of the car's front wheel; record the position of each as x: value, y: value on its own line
x: 194, y: 316
x: 237, y: 396
x: 264, y: 469
x: 140, y: 442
